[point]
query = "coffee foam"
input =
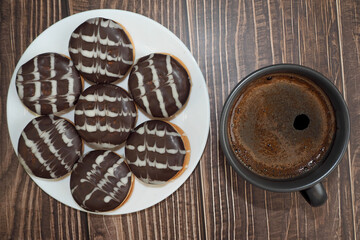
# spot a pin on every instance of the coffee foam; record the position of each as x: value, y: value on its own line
x: 261, y: 126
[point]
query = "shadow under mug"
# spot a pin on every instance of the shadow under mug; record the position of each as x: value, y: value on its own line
x: 308, y: 184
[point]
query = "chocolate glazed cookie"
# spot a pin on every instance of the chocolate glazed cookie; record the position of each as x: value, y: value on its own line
x: 155, y: 152
x: 105, y: 115
x: 49, y: 146
x: 48, y: 83
x: 159, y: 84
x: 101, y: 50
x: 101, y: 181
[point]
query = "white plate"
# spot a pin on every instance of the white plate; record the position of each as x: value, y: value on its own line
x: 148, y: 37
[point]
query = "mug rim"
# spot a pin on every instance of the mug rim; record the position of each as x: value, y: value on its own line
x: 335, y: 154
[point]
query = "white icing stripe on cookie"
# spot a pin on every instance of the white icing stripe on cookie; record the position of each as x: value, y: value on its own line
x: 105, y: 114
x: 101, y: 98
x: 47, y: 138
x: 109, y: 24
x: 156, y: 81
x: 154, y: 164
x: 36, y: 72
x: 161, y: 150
x: 154, y: 148
x: 159, y: 133
x: 104, y: 23
x: 95, y: 69
x: 147, y: 155
x: 53, y: 106
x: 141, y: 148
x: 73, y: 189
x: 70, y: 97
x: 161, y: 103
x: 146, y: 104
x: 157, y: 165
x: 171, y: 82
x: 46, y: 81
x: 175, y: 168
x: 108, y: 42
x: 140, y: 78
x: 168, y: 64
x: 130, y: 147
x: 101, y: 55
x: 122, y: 182
x: 142, y: 90
x: 60, y: 126
x: 34, y: 150
x: 37, y: 92
x: 147, y: 162
x: 97, y: 127
x: 160, y: 85
x: 138, y: 162
x: 110, y: 173
x: 90, y: 176
x: 88, y: 196
x: 103, y: 145
x: 102, y: 113
x: 52, y: 66
x: 100, y: 42
x: 155, y: 76
x: 104, y: 183
x: 103, y: 41
x: 37, y: 107
x: 54, y: 87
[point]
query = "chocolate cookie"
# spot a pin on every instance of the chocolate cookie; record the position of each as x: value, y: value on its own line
x: 159, y: 84
x: 101, y: 50
x: 48, y: 83
x: 104, y: 115
x: 49, y: 146
x: 155, y: 152
x: 101, y: 181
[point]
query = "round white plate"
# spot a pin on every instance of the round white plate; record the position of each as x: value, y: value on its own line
x: 148, y: 37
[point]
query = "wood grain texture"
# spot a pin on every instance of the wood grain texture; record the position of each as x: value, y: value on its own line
x: 229, y: 39
x: 26, y: 211
x: 349, y: 35
x: 239, y: 37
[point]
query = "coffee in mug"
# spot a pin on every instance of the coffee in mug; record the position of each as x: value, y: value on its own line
x: 285, y: 128
x: 281, y: 125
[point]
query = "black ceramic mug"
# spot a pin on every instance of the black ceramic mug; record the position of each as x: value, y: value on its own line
x: 308, y: 184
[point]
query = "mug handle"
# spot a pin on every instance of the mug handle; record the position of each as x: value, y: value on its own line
x: 316, y: 195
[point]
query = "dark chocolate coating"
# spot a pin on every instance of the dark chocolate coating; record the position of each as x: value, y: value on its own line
x: 159, y: 84
x: 264, y: 130
x: 101, y: 50
x: 49, y: 146
x: 100, y: 181
x: 48, y: 83
x: 155, y: 152
x: 105, y: 115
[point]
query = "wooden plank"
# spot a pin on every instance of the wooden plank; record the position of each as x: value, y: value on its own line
x: 349, y: 26
x: 220, y: 31
x: 312, y: 39
x: 26, y: 211
x: 235, y: 39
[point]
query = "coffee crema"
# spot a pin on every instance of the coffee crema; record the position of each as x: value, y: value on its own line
x: 281, y: 125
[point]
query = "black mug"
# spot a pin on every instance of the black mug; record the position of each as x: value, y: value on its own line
x: 309, y: 184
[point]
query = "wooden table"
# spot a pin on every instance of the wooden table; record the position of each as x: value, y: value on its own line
x: 229, y: 39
